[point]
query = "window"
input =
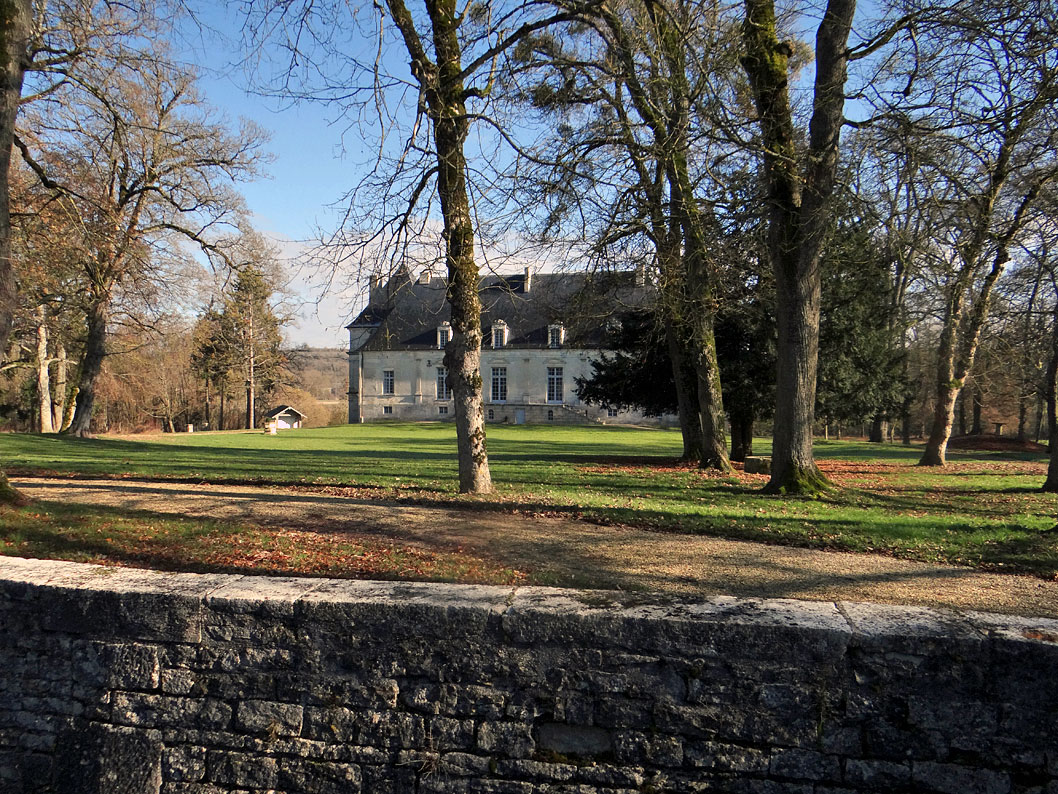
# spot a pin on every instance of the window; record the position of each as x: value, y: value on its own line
x: 551, y: 416
x: 554, y: 384
x: 492, y: 415
x: 611, y: 412
x: 387, y: 381
x: 556, y: 335
x: 444, y: 333
x: 442, y: 410
x: 499, y: 384
x: 499, y: 334
x: 387, y: 410
x: 443, y: 392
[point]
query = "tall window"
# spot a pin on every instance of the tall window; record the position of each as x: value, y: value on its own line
x: 387, y: 381
x: 554, y: 384
x: 499, y: 384
x: 443, y: 392
x: 444, y: 333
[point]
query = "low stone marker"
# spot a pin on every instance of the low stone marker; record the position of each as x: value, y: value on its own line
x: 758, y: 464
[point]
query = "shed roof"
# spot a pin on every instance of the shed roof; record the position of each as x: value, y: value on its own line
x: 279, y: 410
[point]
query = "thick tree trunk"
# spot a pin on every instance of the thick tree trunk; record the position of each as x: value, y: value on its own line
x: 686, y: 381
x: 741, y: 435
x: 1050, y: 485
x: 58, y: 400
x: 797, y: 219
x: 91, y: 366
x: 44, y: 403
x: 15, y: 28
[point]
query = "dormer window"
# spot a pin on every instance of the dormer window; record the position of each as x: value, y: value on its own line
x: 444, y: 333
x: 499, y: 334
x: 556, y: 335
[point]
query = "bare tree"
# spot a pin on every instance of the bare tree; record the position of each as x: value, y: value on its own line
x: 140, y: 162
x: 453, y: 55
x: 974, y: 96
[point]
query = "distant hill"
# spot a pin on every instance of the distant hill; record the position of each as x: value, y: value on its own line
x: 321, y: 371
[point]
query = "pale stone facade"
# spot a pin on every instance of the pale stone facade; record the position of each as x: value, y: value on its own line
x: 536, y: 344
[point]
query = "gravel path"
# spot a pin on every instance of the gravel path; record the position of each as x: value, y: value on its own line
x: 581, y: 553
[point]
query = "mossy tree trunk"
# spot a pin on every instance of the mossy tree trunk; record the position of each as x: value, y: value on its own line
x: 797, y: 218
x: 445, y: 98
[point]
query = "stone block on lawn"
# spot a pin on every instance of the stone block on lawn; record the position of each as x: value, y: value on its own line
x: 757, y: 464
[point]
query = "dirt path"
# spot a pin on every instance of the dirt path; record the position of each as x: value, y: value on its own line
x: 584, y: 554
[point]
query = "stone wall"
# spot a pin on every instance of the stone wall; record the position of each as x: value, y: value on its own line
x: 116, y: 680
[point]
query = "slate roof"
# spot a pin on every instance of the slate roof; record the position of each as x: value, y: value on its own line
x: 408, y: 317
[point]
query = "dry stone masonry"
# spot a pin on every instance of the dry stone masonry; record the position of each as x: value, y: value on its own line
x: 123, y: 681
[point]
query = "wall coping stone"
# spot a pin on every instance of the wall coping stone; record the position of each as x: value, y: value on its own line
x: 284, y: 594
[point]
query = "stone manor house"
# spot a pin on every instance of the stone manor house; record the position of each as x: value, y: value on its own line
x: 540, y: 332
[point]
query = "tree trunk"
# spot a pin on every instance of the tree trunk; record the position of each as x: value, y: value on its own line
x: 879, y: 430
x: 445, y: 98
x: 1050, y: 485
x: 797, y: 219
x: 58, y: 401
x: 91, y: 366
x: 220, y: 418
x: 978, y: 398
x: 1023, y: 417
x: 959, y: 339
x: 741, y: 435
x: 251, y: 374
x: 962, y: 416
x: 686, y: 381
x: 14, y: 43
x: 43, y: 375
x: 69, y: 408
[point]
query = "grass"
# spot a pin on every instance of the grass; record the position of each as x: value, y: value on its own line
x: 984, y: 510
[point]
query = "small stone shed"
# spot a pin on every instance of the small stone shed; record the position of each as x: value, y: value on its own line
x: 285, y: 417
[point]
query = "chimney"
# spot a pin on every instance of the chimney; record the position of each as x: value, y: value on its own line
x: 375, y: 295
x: 528, y: 283
x: 425, y: 276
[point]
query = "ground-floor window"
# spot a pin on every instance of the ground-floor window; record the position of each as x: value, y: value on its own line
x: 387, y: 410
x: 442, y: 410
x: 387, y: 381
x: 492, y: 415
x: 611, y: 412
x: 499, y: 384
x: 554, y: 384
x: 443, y: 392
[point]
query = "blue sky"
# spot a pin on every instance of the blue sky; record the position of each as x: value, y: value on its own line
x: 313, y: 167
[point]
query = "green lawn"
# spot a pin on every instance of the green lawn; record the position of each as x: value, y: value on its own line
x: 985, y: 509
